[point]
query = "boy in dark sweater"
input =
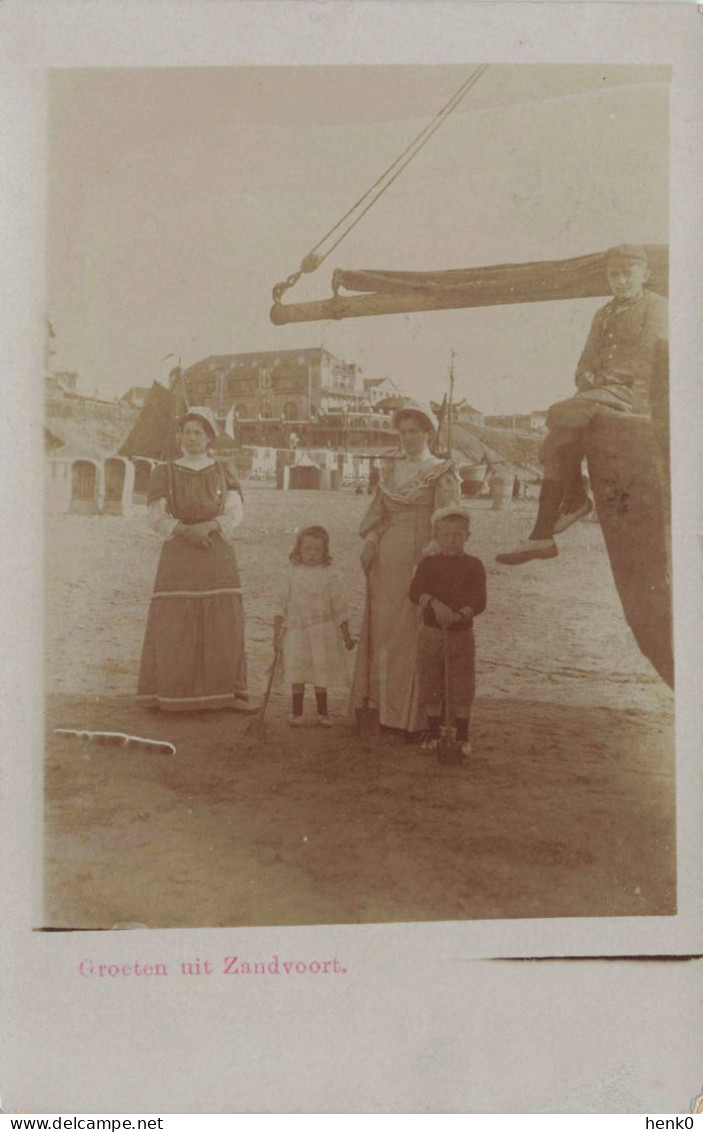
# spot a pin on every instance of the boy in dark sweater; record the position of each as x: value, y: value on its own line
x: 450, y: 588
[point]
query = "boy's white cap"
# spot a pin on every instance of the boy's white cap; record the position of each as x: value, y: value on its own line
x: 452, y: 511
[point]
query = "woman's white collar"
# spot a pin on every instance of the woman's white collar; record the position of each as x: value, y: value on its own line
x: 202, y: 461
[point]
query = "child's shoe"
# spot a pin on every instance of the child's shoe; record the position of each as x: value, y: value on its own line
x: 429, y: 745
x: 527, y: 550
x: 466, y: 749
x: 295, y: 720
x: 324, y: 721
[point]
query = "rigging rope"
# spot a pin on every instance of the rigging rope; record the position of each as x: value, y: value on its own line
x: 313, y: 260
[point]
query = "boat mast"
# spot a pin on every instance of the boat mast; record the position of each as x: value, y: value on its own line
x: 450, y: 401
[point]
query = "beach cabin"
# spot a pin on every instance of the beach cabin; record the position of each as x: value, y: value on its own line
x: 285, y: 457
x: 263, y: 463
x: 306, y: 475
x: 119, y: 484
x: 143, y: 467
x: 57, y: 485
x: 86, y: 487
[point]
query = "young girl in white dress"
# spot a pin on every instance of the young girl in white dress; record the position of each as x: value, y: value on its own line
x: 311, y: 621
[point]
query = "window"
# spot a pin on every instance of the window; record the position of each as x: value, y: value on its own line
x: 240, y: 386
x: 288, y: 383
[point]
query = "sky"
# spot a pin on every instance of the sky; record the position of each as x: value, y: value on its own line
x: 177, y: 198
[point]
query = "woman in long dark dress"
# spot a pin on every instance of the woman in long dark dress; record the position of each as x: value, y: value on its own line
x: 193, y: 656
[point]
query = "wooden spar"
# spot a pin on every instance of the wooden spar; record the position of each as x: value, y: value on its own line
x: 361, y: 306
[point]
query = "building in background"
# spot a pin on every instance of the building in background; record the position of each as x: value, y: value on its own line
x: 290, y: 385
x: 518, y: 422
x: 60, y: 384
x: 537, y: 421
x: 380, y: 389
x: 466, y: 414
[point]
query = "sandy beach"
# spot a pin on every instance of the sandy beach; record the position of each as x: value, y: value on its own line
x: 566, y: 807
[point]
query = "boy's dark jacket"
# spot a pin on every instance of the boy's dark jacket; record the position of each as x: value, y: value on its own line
x: 459, y: 582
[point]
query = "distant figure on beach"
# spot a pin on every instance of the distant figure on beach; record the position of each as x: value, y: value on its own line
x: 613, y: 373
x: 450, y: 588
x: 396, y: 530
x: 193, y: 658
x: 311, y: 622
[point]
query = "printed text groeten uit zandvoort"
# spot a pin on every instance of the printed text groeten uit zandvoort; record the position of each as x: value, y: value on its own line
x: 229, y: 965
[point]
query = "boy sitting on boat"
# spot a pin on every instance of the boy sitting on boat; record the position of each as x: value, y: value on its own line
x: 614, y: 372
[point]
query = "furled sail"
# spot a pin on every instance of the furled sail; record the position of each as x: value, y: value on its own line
x: 400, y: 292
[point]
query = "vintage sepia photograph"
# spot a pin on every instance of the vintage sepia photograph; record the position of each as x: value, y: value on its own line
x: 358, y: 570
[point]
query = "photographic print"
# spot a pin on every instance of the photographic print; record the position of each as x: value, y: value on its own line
x: 357, y: 546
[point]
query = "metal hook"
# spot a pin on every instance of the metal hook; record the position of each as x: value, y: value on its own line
x: 280, y: 288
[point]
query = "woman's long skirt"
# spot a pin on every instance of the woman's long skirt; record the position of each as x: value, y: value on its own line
x: 194, y: 654
x: 392, y: 622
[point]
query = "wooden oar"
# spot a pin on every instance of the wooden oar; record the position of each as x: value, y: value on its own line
x: 367, y: 720
x: 119, y: 739
x: 449, y: 751
x: 254, y: 732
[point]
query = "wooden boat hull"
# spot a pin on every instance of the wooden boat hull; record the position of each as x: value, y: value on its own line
x: 629, y: 473
x: 473, y: 473
x: 473, y: 477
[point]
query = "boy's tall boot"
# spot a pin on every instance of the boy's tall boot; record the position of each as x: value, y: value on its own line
x: 540, y: 543
x: 576, y: 503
